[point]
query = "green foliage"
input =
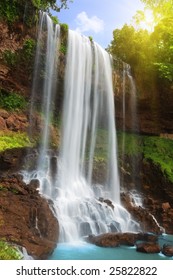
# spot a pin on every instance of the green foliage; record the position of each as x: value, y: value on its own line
x: 27, y: 10
x: 23, y: 57
x: 28, y: 49
x: 55, y: 19
x: 165, y: 70
x: 129, y: 143
x: 64, y: 36
x: 12, y: 101
x: 63, y: 49
x: 10, y: 58
x: 46, y: 5
x: 149, y: 54
x: 158, y: 150
x: 9, y: 252
x: 64, y: 28
x: 8, y: 10
x: 14, y: 140
x: 90, y: 38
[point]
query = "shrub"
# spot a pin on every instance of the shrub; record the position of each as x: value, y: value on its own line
x: 10, y: 58
x: 28, y: 49
x: 55, y: 19
x: 12, y: 101
x: 8, y: 10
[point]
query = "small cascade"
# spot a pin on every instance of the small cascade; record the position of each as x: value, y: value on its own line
x: 88, y: 133
x: 130, y: 121
x: 44, y: 81
x: 129, y: 109
x: 133, y: 105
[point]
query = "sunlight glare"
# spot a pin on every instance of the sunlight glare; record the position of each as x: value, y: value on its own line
x: 148, y: 22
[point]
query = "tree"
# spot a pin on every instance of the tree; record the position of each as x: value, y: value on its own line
x: 55, y: 5
x: 13, y: 10
x: 148, y: 53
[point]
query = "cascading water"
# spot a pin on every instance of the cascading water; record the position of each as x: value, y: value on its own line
x: 130, y: 121
x: 88, y: 133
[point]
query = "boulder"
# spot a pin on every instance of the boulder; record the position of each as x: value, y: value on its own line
x: 113, y: 239
x: 167, y: 250
x: 104, y: 240
x: 148, y: 247
x: 26, y: 218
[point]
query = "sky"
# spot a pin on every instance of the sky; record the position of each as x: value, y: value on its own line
x: 98, y: 18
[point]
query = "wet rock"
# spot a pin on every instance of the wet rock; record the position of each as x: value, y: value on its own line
x: 26, y: 218
x: 145, y: 236
x: 115, y: 226
x: 166, y: 206
x: 167, y: 250
x: 146, y: 220
x: 104, y: 240
x: 12, y: 160
x: 85, y: 229
x: 107, y: 201
x: 127, y: 239
x: 148, y: 247
x: 113, y: 239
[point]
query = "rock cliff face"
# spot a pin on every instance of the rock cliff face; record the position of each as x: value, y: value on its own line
x: 156, y: 194
x: 13, y: 121
x: 153, y: 106
x: 26, y: 218
x: 14, y: 77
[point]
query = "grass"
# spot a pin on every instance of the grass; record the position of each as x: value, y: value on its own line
x: 13, y: 140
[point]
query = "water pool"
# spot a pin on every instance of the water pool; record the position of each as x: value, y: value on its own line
x: 85, y: 251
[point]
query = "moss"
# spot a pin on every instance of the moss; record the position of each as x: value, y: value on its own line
x: 13, y: 140
x: 9, y: 252
x: 158, y: 150
x: 129, y: 143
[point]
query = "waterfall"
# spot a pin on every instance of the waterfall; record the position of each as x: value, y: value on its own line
x: 88, y: 135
